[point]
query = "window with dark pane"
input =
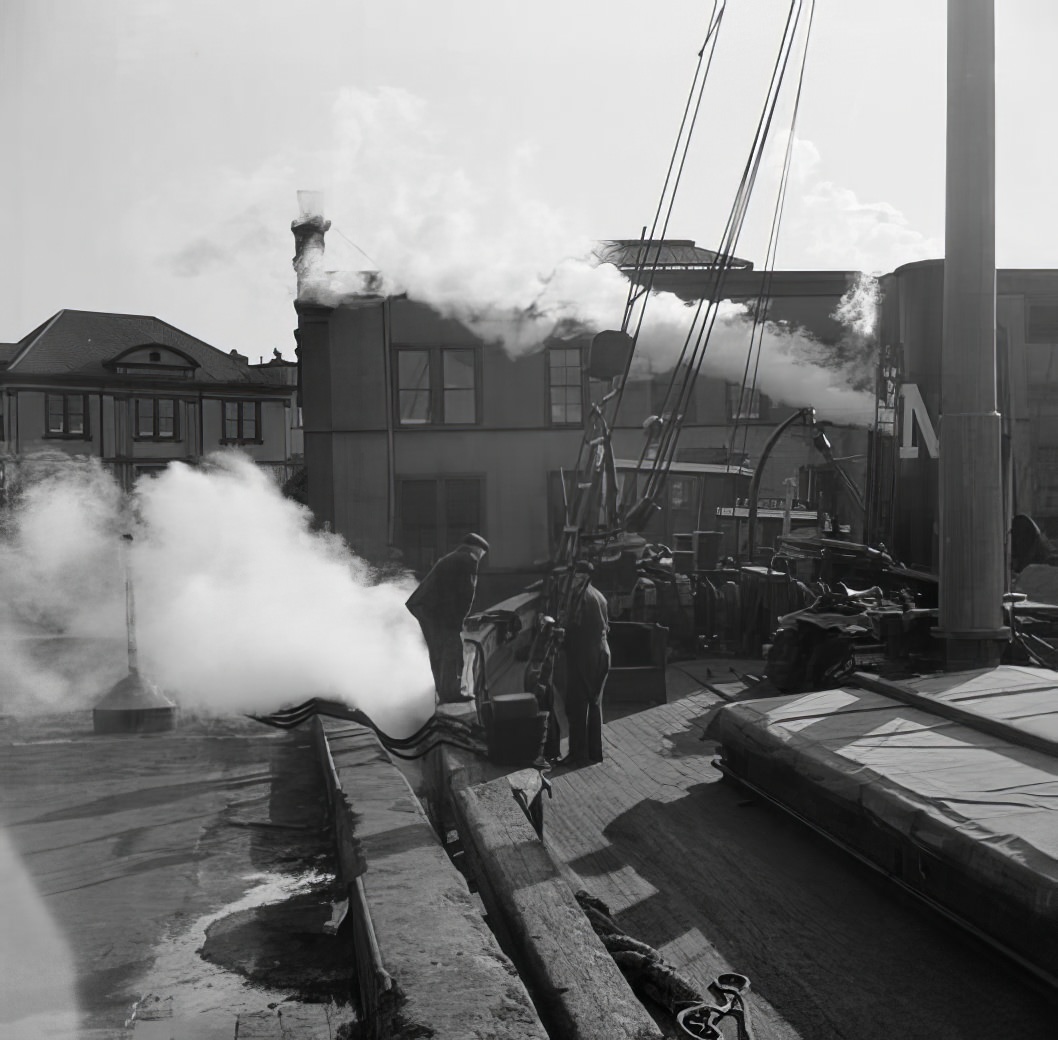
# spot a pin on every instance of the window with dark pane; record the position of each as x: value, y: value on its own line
x: 419, y: 527
x: 56, y: 414
x: 462, y: 509
x: 166, y: 409
x: 413, y: 387
x: 565, y: 385
x: 678, y: 493
x: 242, y: 421
x: 459, y: 404
x: 435, y: 516
x: 742, y: 402
x: 659, y: 391
x: 231, y: 420
x: 66, y: 415
x: 75, y: 413
x: 145, y: 417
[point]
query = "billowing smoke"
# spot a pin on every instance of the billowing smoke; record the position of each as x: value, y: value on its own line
x: 241, y: 606
x: 515, y: 272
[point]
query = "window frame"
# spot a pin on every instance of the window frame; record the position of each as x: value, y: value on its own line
x: 445, y: 542
x: 732, y: 400
x: 65, y: 435
x: 174, y: 438
x: 435, y: 389
x: 551, y: 421
x: 659, y: 387
x: 240, y: 404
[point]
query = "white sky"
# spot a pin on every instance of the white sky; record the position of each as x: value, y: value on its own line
x: 153, y: 148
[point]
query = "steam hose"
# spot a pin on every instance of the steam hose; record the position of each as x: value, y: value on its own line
x: 436, y: 731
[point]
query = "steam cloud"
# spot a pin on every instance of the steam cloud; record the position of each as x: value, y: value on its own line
x: 510, y: 269
x: 240, y: 605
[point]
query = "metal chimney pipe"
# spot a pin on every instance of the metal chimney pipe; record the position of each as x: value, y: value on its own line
x: 309, y: 230
x: 972, y: 579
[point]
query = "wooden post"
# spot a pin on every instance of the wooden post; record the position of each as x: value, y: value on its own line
x: 972, y: 579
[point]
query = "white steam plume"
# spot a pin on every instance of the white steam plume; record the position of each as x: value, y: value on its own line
x: 834, y: 227
x: 241, y: 607
x: 510, y: 269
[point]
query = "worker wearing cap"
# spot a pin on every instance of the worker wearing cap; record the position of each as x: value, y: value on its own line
x: 587, y: 665
x: 440, y: 604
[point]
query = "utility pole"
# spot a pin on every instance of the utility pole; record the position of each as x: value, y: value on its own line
x: 972, y: 528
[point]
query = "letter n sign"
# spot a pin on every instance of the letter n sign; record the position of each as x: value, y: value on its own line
x: 914, y: 408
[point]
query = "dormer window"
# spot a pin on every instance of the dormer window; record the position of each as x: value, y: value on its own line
x: 156, y: 361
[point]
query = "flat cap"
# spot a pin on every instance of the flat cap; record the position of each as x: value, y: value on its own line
x: 584, y: 567
x: 477, y: 541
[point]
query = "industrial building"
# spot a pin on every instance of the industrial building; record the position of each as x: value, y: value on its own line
x: 416, y: 430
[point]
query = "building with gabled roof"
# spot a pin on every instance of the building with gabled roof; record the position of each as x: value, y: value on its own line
x: 418, y: 430
x: 138, y: 393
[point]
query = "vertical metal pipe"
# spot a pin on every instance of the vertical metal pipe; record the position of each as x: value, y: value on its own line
x: 130, y: 604
x: 972, y: 579
x: 754, y: 485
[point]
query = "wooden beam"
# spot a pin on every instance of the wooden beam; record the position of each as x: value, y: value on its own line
x: 579, y: 992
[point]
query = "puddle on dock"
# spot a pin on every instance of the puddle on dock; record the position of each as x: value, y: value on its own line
x: 173, y: 881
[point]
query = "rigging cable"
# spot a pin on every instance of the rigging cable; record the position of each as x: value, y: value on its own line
x: 687, y: 375
x: 667, y: 200
x: 695, y: 355
x: 637, y: 291
x: 757, y: 332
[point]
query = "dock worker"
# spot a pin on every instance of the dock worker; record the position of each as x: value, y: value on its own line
x: 587, y: 665
x: 440, y: 604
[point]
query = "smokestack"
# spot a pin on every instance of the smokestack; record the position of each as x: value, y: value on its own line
x: 133, y: 704
x: 309, y: 229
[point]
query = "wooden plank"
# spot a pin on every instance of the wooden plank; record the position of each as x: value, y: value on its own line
x: 578, y: 990
x: 1014, y: 731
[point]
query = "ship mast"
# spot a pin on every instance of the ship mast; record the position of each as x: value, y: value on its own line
x: 972, y: 556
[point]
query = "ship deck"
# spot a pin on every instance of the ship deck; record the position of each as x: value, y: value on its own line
x: 718, y: 881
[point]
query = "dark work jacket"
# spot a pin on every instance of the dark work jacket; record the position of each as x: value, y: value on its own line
x: 586, y: 632
x: 446, y: 594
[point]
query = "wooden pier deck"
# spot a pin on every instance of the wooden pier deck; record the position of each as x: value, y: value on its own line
x: 720, y: 882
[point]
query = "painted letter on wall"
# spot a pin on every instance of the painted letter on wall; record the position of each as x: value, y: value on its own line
x: 914, y: 408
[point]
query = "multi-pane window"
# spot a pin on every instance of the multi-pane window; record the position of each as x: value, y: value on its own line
x: 565, y: 386
x: 681, y: 491
x: 156, y: 418
x: 437, y: 385
x: 242, y: 422
x: 459, y: 404
x: 662, y: 402
x: 413, y: 387
x: 67, y: 415
x: 744, y: 403
x: 435, y: 516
